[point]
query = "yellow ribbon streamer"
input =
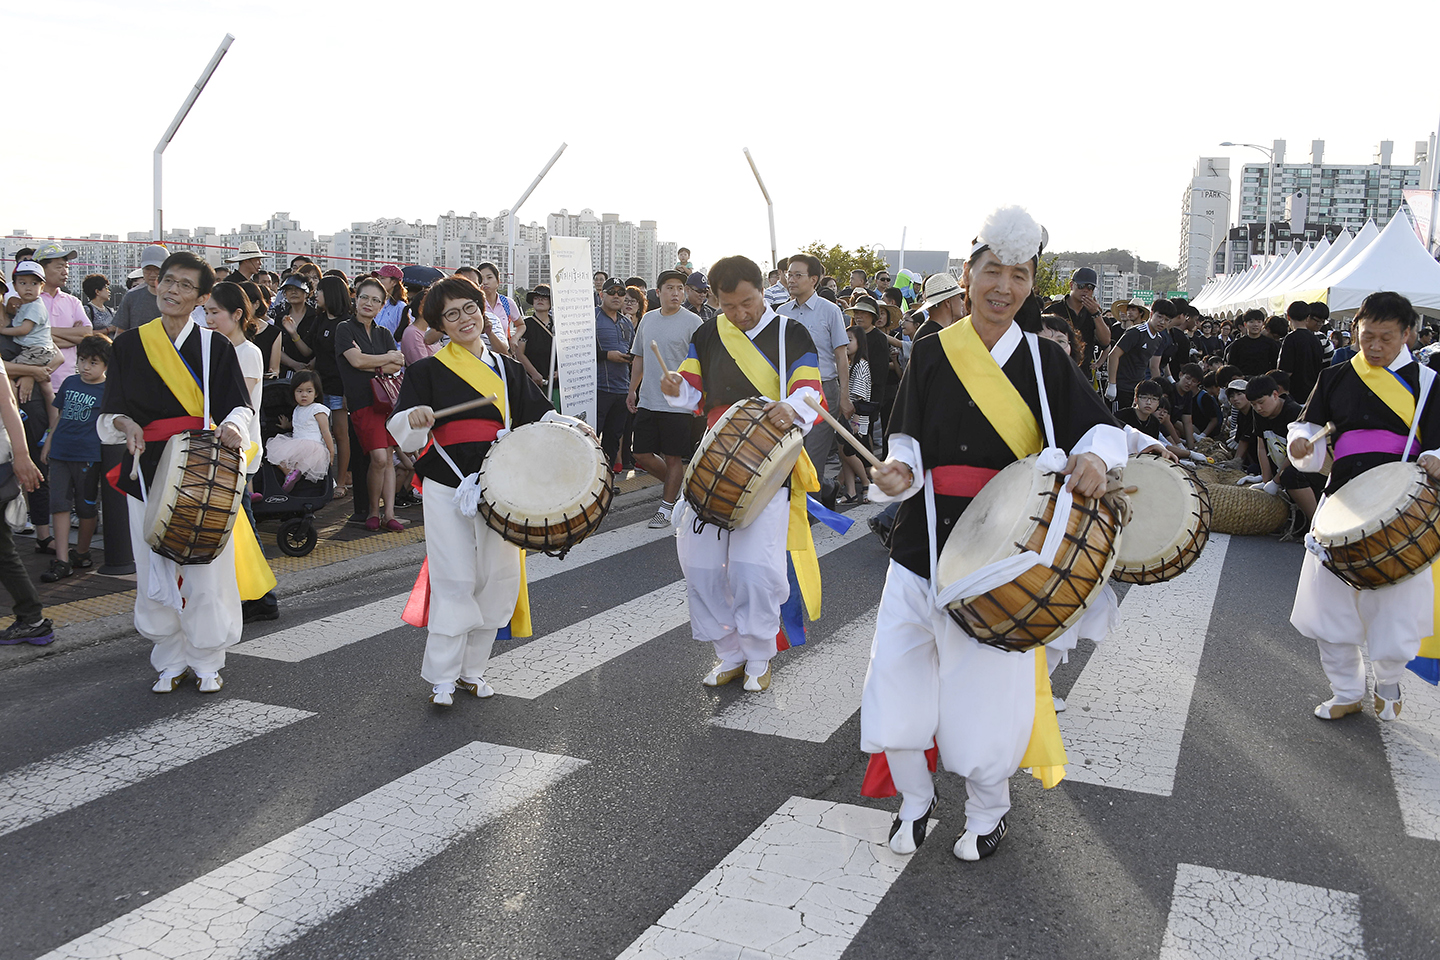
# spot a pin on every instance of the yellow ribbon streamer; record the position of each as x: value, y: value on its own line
x: 1045, y: 754
x: 486, y: 382
x: 252, y: 573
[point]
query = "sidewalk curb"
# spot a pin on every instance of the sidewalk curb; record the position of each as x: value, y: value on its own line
x: 122, y: 625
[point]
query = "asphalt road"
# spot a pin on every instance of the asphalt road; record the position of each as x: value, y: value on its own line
x: 1263, y: 832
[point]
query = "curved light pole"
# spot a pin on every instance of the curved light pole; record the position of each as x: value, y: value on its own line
x: 159, y: 225
x: 1269, y: 185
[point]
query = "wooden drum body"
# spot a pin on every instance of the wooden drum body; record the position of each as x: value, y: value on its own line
x: 1380, y: 528
x: 545, y: 486
x: 190, y: 508
x: 1011, y: 515
x: 740, y: 465
x: 1169, y: 521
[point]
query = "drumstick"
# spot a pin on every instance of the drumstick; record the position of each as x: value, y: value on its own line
x: 467, y: 405
x: 849, y: 437
x: 656, y: 347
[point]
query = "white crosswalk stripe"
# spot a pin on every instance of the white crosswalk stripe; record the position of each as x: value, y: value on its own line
x: 75, y: 777
x: 307, y: 640
x: 1129, y: 706
x: 1220, y: 915
x: 1412, y: 744
x: 800, y: 886
x: 537, y: 668
x: 265, y: 899
x: 817, y: 687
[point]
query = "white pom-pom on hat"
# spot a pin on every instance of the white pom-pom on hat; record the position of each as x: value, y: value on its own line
x: 1012, y: 235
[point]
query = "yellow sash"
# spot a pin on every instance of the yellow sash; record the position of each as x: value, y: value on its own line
x: 1010, y: 415
x: 477, y: 374
x: 803, y: 478
x: 487, y: 383
x: 991, y: 390
x: 1387, y: 387
x: 252, y: 574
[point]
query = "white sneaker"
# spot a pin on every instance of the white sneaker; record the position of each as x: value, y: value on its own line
x: 1387, y: 709
x: 443, y: 694
x: 210, y: 684
x: 907, y: 835
x: 478, y: 687
x: 1059, y: 704
x: 170, y: 682
x: 970, y: 846
x: 659, y: 522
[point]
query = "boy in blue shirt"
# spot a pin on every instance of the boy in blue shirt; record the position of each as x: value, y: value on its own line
x: 72, y: 448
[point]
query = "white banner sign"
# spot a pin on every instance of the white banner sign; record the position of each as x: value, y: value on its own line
x: 572, y: 309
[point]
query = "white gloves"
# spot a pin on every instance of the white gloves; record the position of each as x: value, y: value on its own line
x: 1110, y: 392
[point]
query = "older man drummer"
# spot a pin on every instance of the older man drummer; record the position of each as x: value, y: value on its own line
x: 1378, y: 405
x: 970, y: 404
x: 736, y: 579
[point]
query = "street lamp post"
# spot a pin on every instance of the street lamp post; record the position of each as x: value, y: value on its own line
x: 159, y: 225
x: 1269, y: 185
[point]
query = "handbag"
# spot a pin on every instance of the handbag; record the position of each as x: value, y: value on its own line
x: 385, y: 387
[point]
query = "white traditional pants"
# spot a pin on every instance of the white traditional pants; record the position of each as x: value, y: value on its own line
x: 927, y: 680
x: 1095, y: 624
x: 474, y: 583
x: 197, y: 635
x: 1390, y: 622
x: 736, y: 581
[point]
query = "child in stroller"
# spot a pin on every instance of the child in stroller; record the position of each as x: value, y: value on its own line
x: 295, y: 499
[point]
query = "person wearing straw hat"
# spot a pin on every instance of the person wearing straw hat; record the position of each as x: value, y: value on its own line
x: 978, y: 396
x: 944, y: 304
x: 247, y: 261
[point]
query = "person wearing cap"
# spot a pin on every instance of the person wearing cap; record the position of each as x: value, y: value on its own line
x: 614, y: 337
x: 966, y: 409
x: 168, y: 376
x: 247, y: 261
x: 139, y: 304
x: 69, y: 323
x: 1136, y: 357
x: 682, y: 262
x: 825, y: 323
x: 538, y: 337
x: 295, y: 323
x: 1383, y: 409
x: 737, y: 580
x: 664, y: 437
x: 1080, y: 307
x: 392, y: 315
x: 697, y: 292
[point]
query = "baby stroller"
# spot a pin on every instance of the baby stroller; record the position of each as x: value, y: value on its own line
x: 296, y: 508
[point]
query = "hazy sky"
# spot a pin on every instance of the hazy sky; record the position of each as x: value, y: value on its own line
x: 865, y: 119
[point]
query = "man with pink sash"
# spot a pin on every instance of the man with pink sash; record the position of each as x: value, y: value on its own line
x: 1380, y: 406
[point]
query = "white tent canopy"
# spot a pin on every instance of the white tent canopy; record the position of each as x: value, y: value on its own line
x: 1395, y: 260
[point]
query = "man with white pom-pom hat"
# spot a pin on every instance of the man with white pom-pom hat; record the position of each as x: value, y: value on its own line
x: 971, y: 404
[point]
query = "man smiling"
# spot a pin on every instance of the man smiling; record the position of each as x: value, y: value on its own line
x: 969, y: 405
x: 165, y: 376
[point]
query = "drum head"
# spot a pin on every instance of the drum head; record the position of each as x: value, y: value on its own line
x: 995, y: 521
x: 161, y: 495
x: 736, y: 468
x: 542, y: 471
x: 1366, y: 503
x: 1163, y: 512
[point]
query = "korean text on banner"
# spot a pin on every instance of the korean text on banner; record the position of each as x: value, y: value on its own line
x: 572, y: 302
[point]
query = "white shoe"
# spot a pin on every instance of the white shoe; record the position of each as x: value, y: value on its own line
x: 756, y: 684
x: 659, y: 522
x: 1333, y: 709
x: 1059, y: 704
x: 211, y: 684
x: 170, y: 682
x: 478, y: 687
x: 907, y: 835
x: 971, y: 846
x: 1387, y: 709
x: 723, y: 673
x: 443, y: 694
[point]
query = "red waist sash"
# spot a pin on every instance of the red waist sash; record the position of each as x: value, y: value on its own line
x: 157, y: 431
x: 466, y: 431
x: 958, y: 480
